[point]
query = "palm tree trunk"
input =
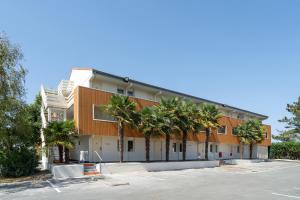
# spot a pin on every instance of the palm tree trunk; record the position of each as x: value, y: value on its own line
x: 184, y: 138
x: 60, y: 153
x: 250, y: 150
x: 147, y: 145
x: 67, y: 155
x: 167, y: 146
x: 241, y: 150
x: 206, y: 143
x: 121, y: 140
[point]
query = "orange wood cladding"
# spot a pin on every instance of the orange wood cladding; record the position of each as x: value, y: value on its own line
x: 84, y: 98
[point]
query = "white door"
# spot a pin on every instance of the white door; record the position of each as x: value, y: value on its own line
x: 201, y: 151
x: 97, y: 143
x: 157, y: 149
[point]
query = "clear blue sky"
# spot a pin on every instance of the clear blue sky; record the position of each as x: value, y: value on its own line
x: 242, y: 53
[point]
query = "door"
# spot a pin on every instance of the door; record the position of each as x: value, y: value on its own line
x: 201, y: 151
x: 97, y: 147
x: 157, y: 150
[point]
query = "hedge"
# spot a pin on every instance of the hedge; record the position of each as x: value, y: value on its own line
x: 285, y: 150
x: 18, y: 162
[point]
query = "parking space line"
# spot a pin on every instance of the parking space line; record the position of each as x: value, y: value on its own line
x: 53, y: 186
x: 285, y: 195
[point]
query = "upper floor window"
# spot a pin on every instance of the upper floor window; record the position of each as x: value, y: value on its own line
x: 234, y: 131
x: 99, y: 113
x: 120, y: 91
x: 130, y: 93
x: 266, y: 135
x: 222, y: 130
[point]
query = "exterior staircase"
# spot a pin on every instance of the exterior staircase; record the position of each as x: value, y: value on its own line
x: 90, y: 169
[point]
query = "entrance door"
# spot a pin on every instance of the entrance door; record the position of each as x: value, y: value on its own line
x: 201, y: 151
x: 157, y: 150
x: 96, y: 147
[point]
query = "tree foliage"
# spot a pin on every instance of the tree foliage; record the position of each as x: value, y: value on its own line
x: 285, y: 150
x: 17, y: 141
x: 292, y: 124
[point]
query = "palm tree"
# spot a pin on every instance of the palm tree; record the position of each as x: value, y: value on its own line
x: 61, y: 134
x: 150, y: 125
x: 250, y: 133
x: 187, y: 120
x: 124, y: 111
x: 209, y: 117
x: 166, y: 110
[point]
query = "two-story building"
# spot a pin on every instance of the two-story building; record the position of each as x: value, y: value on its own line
x: 80, y: 98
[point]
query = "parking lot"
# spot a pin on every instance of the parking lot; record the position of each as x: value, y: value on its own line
x: 266, y: 180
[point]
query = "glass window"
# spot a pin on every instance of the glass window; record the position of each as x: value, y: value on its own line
x: 211, y: 148
x: 180, y: 147
x: 120, y: 91
x: 266, y: 135
x: 238, y: 149
x: 216, y: 148
x: 222, y: 130
x: 234, y: 131
x: 130, y: 146
x: 101, y: 114
x: 118, y: 145
x: 130, y: 93
x: 174, y: 147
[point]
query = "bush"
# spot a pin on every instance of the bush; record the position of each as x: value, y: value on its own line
x: 18, y: 162
x: 285, y: 150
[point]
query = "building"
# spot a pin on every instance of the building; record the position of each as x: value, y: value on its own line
x: 79, y: 99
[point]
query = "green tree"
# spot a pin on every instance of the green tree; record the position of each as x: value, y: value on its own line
x: 187, y: 119
x: 166, y: 110
x: 16, y: 140
x: 61, y: 134
x: 209, y: 117
x: 250, y: 133
x: 150, y: 125
x: 292, y: 124
x: 124, y: 111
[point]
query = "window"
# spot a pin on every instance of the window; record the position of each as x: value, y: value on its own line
x: 120, y: 91
x: 130, y: 145
x: 180, y: 147
x: 211, y: 148
x: 202, y: 129
x: 100, y: 114
x: 266, y: 135
x: 130, y: 93
x: 234, y: 131
x: 216, y: 148
x: 238, y: 149
x: 118, y: 145
x: 222, y: 130
x: 174, y: 147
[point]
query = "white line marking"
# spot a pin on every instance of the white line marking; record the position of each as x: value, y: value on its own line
x: 54, y: 186
x: 285, y: 195
x: 296, y: 188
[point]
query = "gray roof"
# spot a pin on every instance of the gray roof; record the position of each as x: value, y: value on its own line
x: 177, y: 93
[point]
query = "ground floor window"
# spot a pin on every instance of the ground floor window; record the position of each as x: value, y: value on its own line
x: 216, y: 148
x: 211, y: 148
x: 238, y: 149
x: 180, y: 147
x: 174, y: 147
x: 130, y: 145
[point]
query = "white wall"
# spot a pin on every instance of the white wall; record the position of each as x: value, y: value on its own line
x: 81, y: 77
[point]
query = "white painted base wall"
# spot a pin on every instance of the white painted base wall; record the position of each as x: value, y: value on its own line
x: 107, y: 148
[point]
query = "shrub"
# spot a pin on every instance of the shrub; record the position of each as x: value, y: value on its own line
x: 18, y: 162
x: 285, y: 150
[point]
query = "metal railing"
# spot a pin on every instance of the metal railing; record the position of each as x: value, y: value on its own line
x: 100, y: 161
